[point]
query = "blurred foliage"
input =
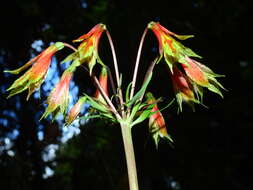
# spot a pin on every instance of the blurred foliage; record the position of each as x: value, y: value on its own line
x: 212, y: 146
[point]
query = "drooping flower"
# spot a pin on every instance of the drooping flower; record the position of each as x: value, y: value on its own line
x: 202, y: 75
x: 175, y: 53
x: 87, y: 52
x: 183, y: 88
x: 75, y: 110
x: 103, y: 81
x: 59, y: 97
x: 169, y: 48
x: 157, y: 126
x: 34, y: 77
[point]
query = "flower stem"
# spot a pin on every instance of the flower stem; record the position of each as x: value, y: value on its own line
x: 107, y: 99
x: 111, y: 80
x: 116, y: 73
x: 114, y: 57
x: 130, y: 157
x: 70, y: 46
x: 137, y: 63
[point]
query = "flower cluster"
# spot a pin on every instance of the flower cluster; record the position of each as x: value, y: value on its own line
x: 193, y: 76
x: 59, y: 96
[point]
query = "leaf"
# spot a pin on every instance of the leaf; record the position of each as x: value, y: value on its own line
x: 128, y: 91
x: 144, y: 115
x: 140, y: 92
x: 109, y: 116
x: 134, y: 111
x: 98, y: 106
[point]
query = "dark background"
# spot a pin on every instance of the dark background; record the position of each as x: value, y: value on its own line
x: 213, y: 147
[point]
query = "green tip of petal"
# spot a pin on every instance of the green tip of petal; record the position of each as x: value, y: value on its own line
x: 168, y: 137
x: 59, y: 45
x: 103, y: 26
x: 183, y: 37
x: 15, y: 72
x: 12, y: 72
x: 150, y: 25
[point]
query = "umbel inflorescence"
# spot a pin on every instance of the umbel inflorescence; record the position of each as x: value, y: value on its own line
x: 189, y: 78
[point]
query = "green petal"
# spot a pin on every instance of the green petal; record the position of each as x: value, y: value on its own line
x: 183, y: 37
x: 214, y: 89
x: 17, y: 71
x: 70, y: 57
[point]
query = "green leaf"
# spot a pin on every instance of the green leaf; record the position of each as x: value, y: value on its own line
x: 98, y: 106
x: 138, y: 95
x: 109, y: 116
x: 144, y: 115
x: 128, y: 91
x: 134, y: 111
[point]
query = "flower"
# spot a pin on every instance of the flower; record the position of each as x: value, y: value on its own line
x: 87, y: 52
x: 198, y: 75
x: 157, y: 124
x: 34, y: 77
x: 103, y: 81
x: 75, y: 110
x: 183, y: 88
x: 202, y: 75
x: 169, y: 48
x: 59, y: 97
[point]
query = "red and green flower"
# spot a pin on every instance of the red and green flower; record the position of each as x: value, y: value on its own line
x: 157, y: 126
x: 183, y: 88
x: 175, y: 55
x: 34, y: 77
x: 59, y: 97
x: 202, y: 76
x: 87, y: 52
x: 169, y: 48
x: 103, y: 81
x: 75, y: 110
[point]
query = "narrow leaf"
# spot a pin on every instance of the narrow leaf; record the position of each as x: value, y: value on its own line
x: 140, y: 92
x: 128, y: 91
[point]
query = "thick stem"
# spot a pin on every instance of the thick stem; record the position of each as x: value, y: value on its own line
x: 130, y: 157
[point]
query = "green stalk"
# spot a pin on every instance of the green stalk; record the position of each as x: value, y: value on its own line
x: 130, y: 157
